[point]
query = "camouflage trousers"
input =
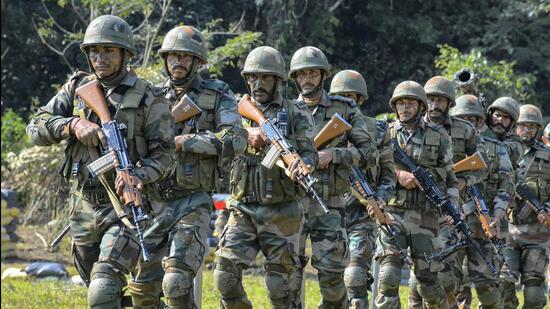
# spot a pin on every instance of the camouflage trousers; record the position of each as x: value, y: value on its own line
x: 272, y: 229
x: 176, y: 252
x: 361, y: 235
x: 417, y: 230
x: 526, y: 255
x: 330, y: 251
x: 104, y: 250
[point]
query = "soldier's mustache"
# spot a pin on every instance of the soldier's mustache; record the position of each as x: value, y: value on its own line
x: 179, y: 66
x: 436, y: 110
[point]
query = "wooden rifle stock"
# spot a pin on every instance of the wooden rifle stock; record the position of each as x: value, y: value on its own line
x: 335, y: 127
x: 92, y: 94
x: 248, y: 110
x: 474, y: 162
x: 185, y: 109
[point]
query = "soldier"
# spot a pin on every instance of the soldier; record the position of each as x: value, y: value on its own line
x: 529, y: 237
x: 497, y: 187
x: 430, y: 147
x: 266, y: 213
x: 546, y: 135
x: 360, y: 227
x: 309, y: 68
x: 214, y: 135
x: 104, y: 249
x: 502, y: 116
x: 464, y: 137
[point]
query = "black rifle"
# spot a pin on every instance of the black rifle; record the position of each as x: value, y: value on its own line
x: 531, y: 200
x: 438, y: 198
x: 359, y: 182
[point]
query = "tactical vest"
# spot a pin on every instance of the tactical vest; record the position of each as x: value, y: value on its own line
x: 533, y: 170
x: 458, y: 137
x: 489, y: 186
x: 251, y: 182
x: 333, y: 181
x: 196, y: 172
x: 130, y: 112
x: 425, y: 153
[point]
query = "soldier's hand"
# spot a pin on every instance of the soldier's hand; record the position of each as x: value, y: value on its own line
x: 256, y: 138
x: 325, y: 157
x: 544, y: 218
x: 370, y: 209
x: 126, y: 183
x: 461, y: 183
x: 499, y: 214
x: 180, y: 139
x: 406, y: 179
x: 449, y: 220
x: 296, y: 170
x: 87, y: 132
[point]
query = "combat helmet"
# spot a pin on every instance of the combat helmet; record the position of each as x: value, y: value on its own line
x: 409, y: 89
x: 530, y: 114
x: 468, y: 105
x: 309, y: 57
x: 439, y: 85
x: 185, y: 39
x: 109, y: 30
x: 349, y: 81
x: 506, y: 104
x: 264, y: 60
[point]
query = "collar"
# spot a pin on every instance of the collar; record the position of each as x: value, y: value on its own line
x: 324, y: 100
x: 129, y: 79
x: 421, y: 123
x: 446, y: 123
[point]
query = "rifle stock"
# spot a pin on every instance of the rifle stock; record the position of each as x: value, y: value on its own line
x: 92, y: 94
x: 474, y: 162
x: 248, y: 110
x: 185, y: 109
x: 335, y: 127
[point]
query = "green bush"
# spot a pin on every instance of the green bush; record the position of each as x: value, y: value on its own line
x: 14, y: 136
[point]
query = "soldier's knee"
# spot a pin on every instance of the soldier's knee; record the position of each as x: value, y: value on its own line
x: 277, y: 282
x: 177, y: 284
x: 227, y: 277
x: 145, y: 295
x: 388, y: 280
x: 487, y: 294
x: 332, y: 286
x: 428, y: 288
x: 534, y: 294
x: 105, y: 288
x: 356, y: 276
x: 84, y: 257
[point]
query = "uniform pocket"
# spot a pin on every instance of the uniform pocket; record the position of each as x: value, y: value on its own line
x: 238, y: 178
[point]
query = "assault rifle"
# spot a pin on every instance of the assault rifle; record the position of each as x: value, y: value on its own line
x: 185, y: 111
x: 526, y: 195
x: 335, y: 127
x: 115, y: 155
x: 474, y: 162
x: 279, y: 148
x: 360, y: 184
x: 438, y: 198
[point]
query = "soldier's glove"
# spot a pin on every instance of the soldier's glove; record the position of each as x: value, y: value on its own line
x: 87, y: 132
x: 125, y: 183
x: 325, y: 157
x: 406, y: 179
x: 256, y: 138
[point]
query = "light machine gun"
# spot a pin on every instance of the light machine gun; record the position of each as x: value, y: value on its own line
x: 279, y: 148
x: 466, y: 81
x: 526, y: 195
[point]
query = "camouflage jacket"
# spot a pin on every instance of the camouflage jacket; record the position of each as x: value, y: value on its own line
x: 135, y: 103
x: 215, y: 137
x: 253, y: 183
x: 513, y: 144
x: 497, y: 183
x: 355, y: 147
x: 429, y: 146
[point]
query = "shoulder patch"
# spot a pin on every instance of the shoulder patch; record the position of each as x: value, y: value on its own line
x: 155, y: 90
x: 343, y: 99
x: 216, y: 85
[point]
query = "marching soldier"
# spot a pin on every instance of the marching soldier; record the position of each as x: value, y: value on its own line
x: 308, y: 69
x: 361, y: 228
x: 546, y: 135
x: 266, y: 213
x: 430, y: 147
x: 203, y: 142
x: 104, y: 249
x: 529, y: 234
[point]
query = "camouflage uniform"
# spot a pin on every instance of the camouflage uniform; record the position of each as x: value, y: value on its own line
x: 528, y: 240
x: 430, y: 147
x: 330, y: 250
x: 513, y: 143
x: 360, y: 227
x: 216, y: 135
x: 104, y: 249
x: 266, y: 214
x: 497, y: 188
x: 464, y: 139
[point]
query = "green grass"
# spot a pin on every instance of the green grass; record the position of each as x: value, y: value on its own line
x: 29, y: 293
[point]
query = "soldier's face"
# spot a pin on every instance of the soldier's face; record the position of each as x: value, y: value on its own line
x: 500, y: 121
x: 437, y: 106
x: 350, y: 95
x: 179, y: 64
x: 477, y: 122
x: 407, y: 108
x: 308, y: 80
x: 262, y: 86
x: 527, y: 131
x: 106, y: 60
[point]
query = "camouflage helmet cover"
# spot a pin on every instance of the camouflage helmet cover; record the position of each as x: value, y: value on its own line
x: 409, y: 89
x: 530, y: 114
x: 468, y: 105
x: 185, y: 39
x: 439, y: 85
x: 349, y: 81
x: 109, y: 30
x: 506, y: 104
x: 309, y: 57
x: 264, y: 60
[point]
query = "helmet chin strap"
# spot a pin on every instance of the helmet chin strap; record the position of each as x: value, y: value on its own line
x: 183, y: 83
x: 313, y: 93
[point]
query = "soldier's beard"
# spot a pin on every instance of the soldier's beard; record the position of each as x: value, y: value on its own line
x: 499, y: 129
x: 436, y: 115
